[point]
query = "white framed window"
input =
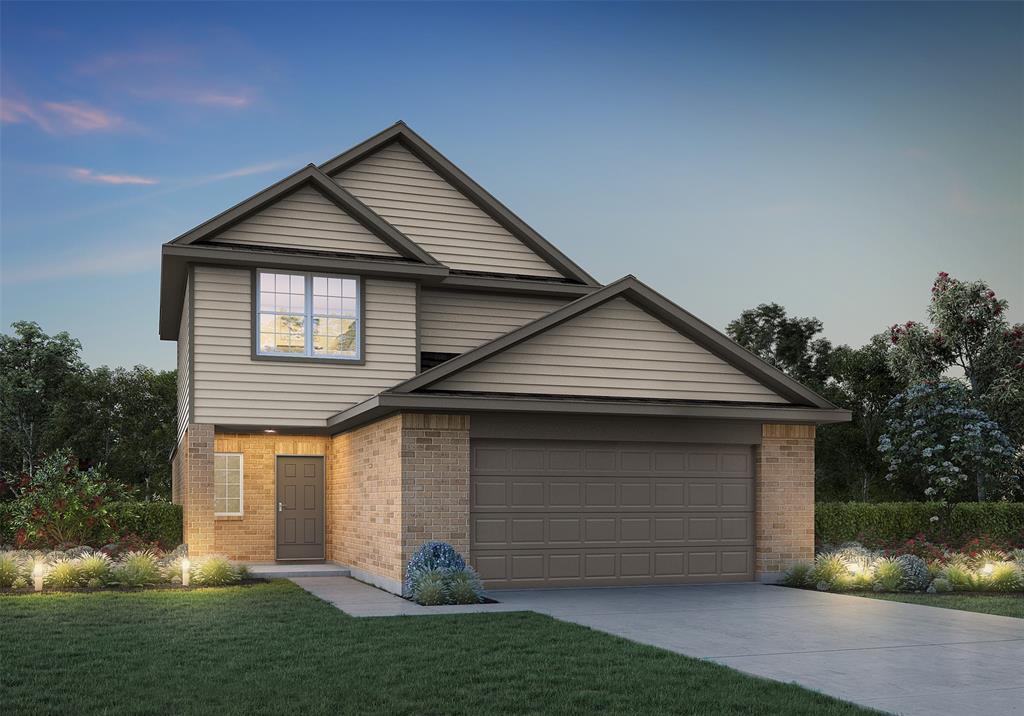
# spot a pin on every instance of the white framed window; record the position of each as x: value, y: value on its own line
x: 306, y: 315
x: 228, y: 481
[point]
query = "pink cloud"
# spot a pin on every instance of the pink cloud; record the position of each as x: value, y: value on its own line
x: 115, y: 61
x: 59, y: 117
x: 217, y: 99
x: 82, y: 117
x: 88, y: 175
x: 191, y: 95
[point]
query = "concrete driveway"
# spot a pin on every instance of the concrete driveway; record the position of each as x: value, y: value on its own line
x: 902, y: 658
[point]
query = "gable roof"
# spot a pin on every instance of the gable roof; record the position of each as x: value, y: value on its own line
x: 402, y: 133
x: 652, y: 302
x: 309, y: 176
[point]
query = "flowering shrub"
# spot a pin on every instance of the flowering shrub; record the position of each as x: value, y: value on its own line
x: 949, y: 450
x: 61, y: 504
x: 853, y: 566
x: 437, y: 574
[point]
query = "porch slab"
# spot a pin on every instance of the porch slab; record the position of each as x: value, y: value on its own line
x: 359, y: 599
x: 281, y: 570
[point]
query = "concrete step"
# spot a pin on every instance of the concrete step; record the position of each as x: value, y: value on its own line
x: 286, y: 570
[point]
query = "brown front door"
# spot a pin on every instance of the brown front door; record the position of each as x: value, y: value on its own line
x: 300, y: 507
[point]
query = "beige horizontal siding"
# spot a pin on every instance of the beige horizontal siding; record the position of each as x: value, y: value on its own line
x: 426, y: 208
x: 616, y: 350
x: 184, y: 366
x: 306, y: 219
x: 233, y: 389
x: 456, y: 321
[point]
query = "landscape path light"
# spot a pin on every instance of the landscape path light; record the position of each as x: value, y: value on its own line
x: 37, y: 575
x: 186, y: 567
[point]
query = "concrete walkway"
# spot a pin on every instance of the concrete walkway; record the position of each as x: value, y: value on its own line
x: 901, y: 658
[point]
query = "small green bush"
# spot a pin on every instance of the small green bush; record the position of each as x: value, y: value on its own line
x: 960, y: 577
x: 137, y: 569
x: 157, y: 521
x: 63, y: 574
x: 798, y: 575
x: 94, y: 567
x: 464, y: 587
x: 940, y: 585
x: 888, y: 575
x: 829, y: 571
x: 11, y: 568
x: 214, y: 572
x: 427, y: 586
x: 1002, y: 577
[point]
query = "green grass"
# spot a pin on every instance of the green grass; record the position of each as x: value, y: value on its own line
x: 1007, y: 605
x: 273, y: 648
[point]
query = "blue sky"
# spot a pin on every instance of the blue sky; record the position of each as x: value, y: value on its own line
x: 831, y: 157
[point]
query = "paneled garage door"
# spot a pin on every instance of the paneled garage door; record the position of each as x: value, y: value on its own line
x: 548, y: 513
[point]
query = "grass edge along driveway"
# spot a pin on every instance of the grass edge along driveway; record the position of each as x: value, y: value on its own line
x: 1007, y: 605
x: 273, y: 647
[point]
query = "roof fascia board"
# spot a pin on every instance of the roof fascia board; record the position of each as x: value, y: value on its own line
x: 515, y: 285
x: 176, y: 258
x: 387, y: 403
x: 343, y: 199
x: 422, y: 149
x: 660, y: 307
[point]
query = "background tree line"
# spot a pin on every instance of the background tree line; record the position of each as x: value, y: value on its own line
x: 938, y: 408
x: 50, y: 400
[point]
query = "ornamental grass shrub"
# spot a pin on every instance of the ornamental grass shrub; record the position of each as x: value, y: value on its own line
x: 853, y: 567
x: 437, y: 574
x: 78, y: 567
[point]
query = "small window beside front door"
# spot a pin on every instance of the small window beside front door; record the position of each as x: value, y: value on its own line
x: 227, y: 484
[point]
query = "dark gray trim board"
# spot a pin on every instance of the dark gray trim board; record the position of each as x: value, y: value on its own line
x: 175, y: 259
x: 518, y: 286
x: 401, y: 132
x: 386, y: 403
x: 613, y: 428
x: 657, y: 305
x: 311, y: 176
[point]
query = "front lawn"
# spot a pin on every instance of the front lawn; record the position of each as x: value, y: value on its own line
x: 273, y: 648
x: 1007, y: 605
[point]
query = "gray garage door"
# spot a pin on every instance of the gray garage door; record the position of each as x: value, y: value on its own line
x: 548, y: 513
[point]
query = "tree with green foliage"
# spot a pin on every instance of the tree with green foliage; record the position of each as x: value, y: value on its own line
x: 36, y: 374
x: 969, y: 332
x: 787, y: 342
x: 121, y: 418
x: 847, y: 460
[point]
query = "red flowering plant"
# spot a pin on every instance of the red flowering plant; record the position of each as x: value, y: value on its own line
x: 61, y: 504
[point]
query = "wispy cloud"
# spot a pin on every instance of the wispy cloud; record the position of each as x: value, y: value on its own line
x: 70, y: 117
x: 91, y: 177
x: 117, y: 61
x: 110, y: 260
x: 203, y: 97
x: 244, y: 171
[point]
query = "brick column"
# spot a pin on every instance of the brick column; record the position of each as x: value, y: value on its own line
x: 197, y: 489
x: 435, y: 482
x: 785, y: 499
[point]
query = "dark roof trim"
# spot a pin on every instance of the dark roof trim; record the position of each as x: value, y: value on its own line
x: 311, y: 176
x: 176, y: 258
x: 401, y: 132
x: 386, y: 403
x: 515, y: 285
x: 657, y: 305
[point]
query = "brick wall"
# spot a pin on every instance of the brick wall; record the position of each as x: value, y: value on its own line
x: 364, y: 502
x: 435, y: 482
x: 785, y: 498
x: 252, y: 537
x: 197, y: 488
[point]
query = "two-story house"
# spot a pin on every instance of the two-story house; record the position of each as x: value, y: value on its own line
x: 375, y: 352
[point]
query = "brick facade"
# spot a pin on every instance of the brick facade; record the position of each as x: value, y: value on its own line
x: 364, y: 502
x: 196, y: 491
x: 435, y: 482
x: 252, y: 536
x: 785, y: 498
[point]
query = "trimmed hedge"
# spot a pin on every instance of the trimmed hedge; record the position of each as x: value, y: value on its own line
x: 152, y: 521
x: 838, y: 522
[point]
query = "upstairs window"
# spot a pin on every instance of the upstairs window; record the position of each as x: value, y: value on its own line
x: 304, y: 315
